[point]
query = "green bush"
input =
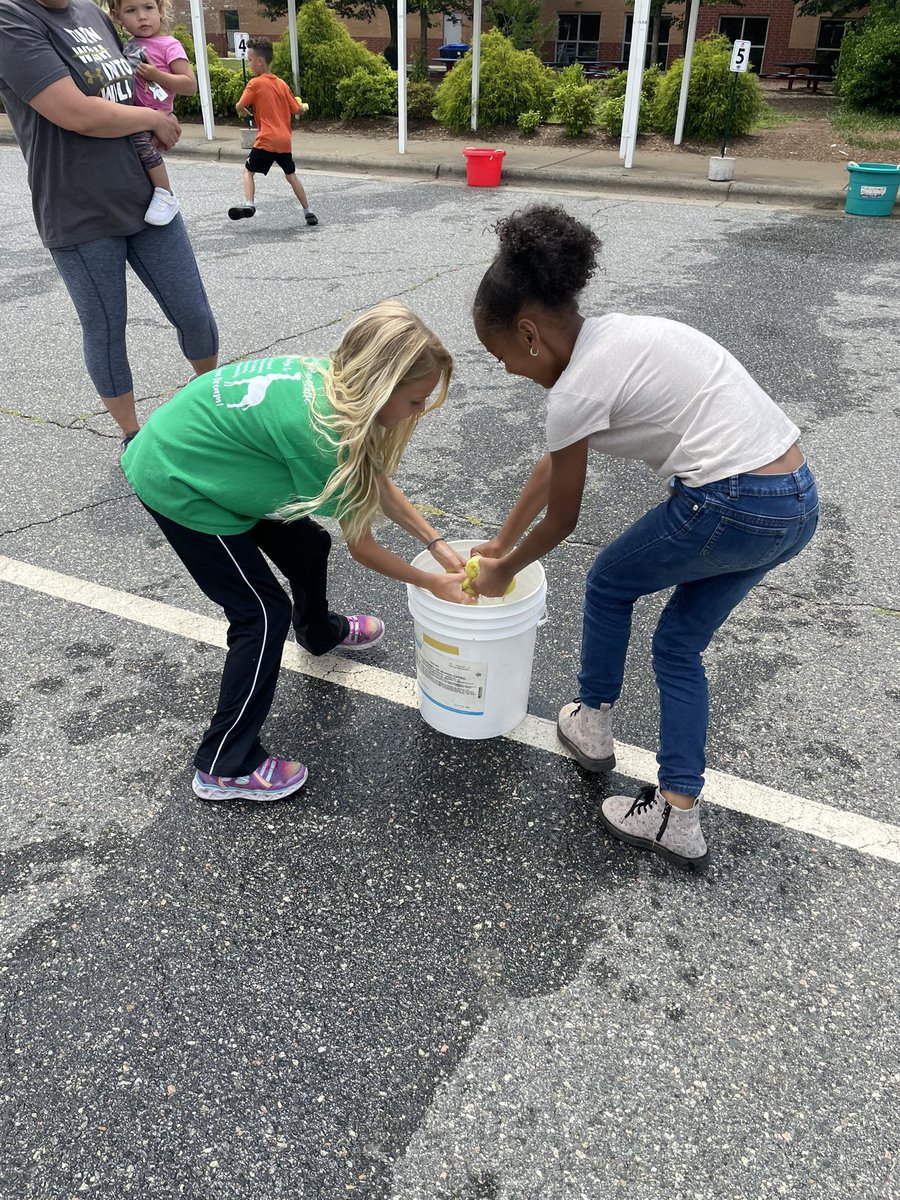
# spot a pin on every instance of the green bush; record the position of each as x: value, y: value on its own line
x: 183, y: 34
x: 617, y: 81
x: 650, y: 82
x: 614, y: 84
x: 419, y: 100
x: 225, y: 87
x: 708, y: 94
x: 575, y: 100
x: 328, y: 54
x: 611, y: 112
x: 529, y: 121
x: 512, y: 82
x: 612, y: 106
x: 869, y: 67
x: 365, y: 95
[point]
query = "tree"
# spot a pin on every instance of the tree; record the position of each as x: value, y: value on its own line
x: 520, y: 21
x: 364, y: 10
x: 844, y: 8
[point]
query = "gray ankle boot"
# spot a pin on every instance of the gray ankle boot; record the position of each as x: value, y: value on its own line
x: 652, y: 823
x: 587, y: 733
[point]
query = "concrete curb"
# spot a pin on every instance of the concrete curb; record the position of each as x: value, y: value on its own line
x: 603, y: 179
x: 600, y: 178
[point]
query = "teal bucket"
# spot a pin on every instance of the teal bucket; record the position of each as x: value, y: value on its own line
x: 872, y: 189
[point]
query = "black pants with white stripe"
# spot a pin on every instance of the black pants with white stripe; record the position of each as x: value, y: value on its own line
x: 233, y: 573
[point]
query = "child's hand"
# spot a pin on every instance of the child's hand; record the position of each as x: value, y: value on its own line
x: 148, y: 72
x: 493, y: 578
x: 447, y: 557
x: 449, y: 587
x: 492, y: 549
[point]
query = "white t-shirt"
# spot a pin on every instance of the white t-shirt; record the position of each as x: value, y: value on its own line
x: 656, y: 390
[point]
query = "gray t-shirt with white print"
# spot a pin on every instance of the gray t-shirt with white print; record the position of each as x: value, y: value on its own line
x: 82, y: 188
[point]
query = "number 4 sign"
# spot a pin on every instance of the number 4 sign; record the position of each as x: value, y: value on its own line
x: 241, y: 41
x: 740, y: 56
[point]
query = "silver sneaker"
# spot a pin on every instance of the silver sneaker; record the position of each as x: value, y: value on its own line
x: 587, y: 734
x: 652, y: 823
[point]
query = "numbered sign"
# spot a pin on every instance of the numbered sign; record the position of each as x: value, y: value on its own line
x: 240, y: 41
x: 740, y: 56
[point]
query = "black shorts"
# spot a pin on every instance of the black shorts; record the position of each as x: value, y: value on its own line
x: 259, y: 161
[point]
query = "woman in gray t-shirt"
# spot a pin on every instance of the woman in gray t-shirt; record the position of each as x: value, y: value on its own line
x: 741, y: 501
x: 67, y: 88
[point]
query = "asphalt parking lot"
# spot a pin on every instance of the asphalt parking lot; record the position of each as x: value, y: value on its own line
x: 432, y: 976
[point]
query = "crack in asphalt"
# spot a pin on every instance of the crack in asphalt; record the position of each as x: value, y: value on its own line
x: 73, y: 512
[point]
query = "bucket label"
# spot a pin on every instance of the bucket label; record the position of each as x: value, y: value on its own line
x: 451, y: 682
x: 867, y: 192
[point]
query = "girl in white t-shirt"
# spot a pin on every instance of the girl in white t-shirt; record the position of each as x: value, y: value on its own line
x: 741, y: 500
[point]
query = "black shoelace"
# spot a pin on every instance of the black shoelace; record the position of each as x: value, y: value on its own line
x: 646, y: 799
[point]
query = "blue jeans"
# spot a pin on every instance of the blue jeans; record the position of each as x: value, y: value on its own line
x: 712, y: 544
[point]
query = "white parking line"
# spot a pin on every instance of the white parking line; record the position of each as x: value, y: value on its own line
x: 876, y: 838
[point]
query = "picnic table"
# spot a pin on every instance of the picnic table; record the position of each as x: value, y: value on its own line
x: 593, y: 70
x: 600, y: 70
x: 805, y: 71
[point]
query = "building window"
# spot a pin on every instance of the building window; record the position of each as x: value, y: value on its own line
x: 748, y: 29
x: 230, y: 20
x: 578, y: 38
x: 662, y: 54
x: 828, y: 47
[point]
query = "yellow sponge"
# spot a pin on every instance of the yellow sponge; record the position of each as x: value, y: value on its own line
x: 473, y: 566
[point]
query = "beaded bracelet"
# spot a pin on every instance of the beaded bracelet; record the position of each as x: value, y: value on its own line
x: 440, y: 538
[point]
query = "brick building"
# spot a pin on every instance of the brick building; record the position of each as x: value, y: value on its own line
x: 600, y: 30
x: 586, y: 30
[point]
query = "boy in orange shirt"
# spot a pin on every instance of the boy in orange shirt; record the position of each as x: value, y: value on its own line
x: 273, y: 105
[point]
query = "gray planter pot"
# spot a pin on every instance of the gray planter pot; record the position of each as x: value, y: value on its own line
x: 721, y: 170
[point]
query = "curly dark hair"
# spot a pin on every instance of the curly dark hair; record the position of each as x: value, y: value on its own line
x: 545, y: 256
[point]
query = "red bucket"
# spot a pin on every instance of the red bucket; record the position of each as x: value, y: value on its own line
x: 483, y: 167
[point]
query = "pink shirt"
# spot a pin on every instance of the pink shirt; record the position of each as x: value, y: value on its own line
x: 162, y: 51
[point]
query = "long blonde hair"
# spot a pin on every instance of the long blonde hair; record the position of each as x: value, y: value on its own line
x: 385, y: 347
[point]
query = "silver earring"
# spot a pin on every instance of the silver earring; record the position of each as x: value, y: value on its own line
x: 533, y: 351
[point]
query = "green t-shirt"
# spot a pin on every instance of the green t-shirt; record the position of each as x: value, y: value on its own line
x: 234, y: 445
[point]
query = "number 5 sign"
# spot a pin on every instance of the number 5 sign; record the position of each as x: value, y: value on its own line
x: 740, y: 56
x: 241, y: 41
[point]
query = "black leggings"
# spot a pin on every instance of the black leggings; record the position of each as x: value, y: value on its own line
x: 232, y: 572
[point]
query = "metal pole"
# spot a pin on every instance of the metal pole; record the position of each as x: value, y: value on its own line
x: 476, y: 62
x: 198, y: 32
x: 728, y: 118
x: 292, y: 35
x: 401, y: 76
x: 639, y: 28
x: 689, y: 39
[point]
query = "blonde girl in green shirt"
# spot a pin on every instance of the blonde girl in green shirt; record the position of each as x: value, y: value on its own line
x: 233, y: 469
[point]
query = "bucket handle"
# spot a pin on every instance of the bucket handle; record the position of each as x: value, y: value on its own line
x: 544, y: 619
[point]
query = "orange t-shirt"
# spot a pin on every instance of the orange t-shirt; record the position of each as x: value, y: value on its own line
x: 273, y: 103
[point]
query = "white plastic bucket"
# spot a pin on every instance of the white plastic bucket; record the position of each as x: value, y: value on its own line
x: 473, y: 661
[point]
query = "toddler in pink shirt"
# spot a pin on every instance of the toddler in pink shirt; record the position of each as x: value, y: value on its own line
x: 161, y: 69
